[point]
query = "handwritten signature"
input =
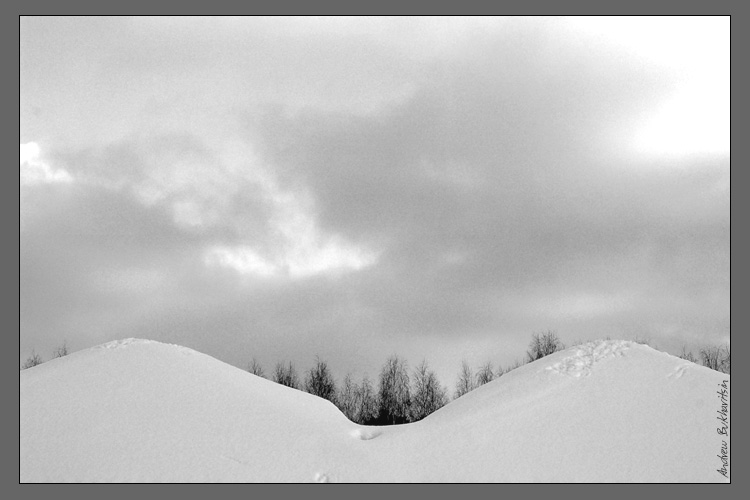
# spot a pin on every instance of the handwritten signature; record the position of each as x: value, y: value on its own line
x: 723, y: 429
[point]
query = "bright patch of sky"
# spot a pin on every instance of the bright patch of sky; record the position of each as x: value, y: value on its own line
x: 301, y: 248
x: 35, y: 170
x: 694, y: 119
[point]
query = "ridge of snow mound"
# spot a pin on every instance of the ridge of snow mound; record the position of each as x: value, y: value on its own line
x: 143, y: 411
x: 117, y: 344
x: 123, y: 343
x: 585, y: 356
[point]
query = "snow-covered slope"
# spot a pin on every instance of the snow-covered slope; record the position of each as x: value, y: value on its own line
x: 138, y: 410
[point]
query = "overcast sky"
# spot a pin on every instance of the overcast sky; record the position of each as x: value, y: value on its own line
x: 439, y: 188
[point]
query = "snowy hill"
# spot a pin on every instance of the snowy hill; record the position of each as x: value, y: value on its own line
x: 139, y: 410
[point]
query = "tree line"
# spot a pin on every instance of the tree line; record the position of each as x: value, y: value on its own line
x: 714, y: 357
x: 35, y: 359
x: 402, y: 395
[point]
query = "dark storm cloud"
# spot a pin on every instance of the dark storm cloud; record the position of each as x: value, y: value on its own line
x: 505, y: 179
x: 498, y: 130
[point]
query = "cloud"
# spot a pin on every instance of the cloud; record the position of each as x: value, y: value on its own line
x: 299, y: 247
x: 91, y: 259
x: 353, y: 188
x: 500, y: 192
x: 231, y: 197
x: 34, y: 170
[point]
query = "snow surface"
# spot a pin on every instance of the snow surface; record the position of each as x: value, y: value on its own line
x: 143, y: 411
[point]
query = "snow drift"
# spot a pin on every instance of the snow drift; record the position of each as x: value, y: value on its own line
x: 143, y: 411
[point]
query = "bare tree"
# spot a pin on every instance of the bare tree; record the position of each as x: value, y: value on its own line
x: 32, y: 360
x: 61, y: 351
x: 725, y: 361
x: 465, y: 381
x: 711, y: 357
x: 543, y: 345
x: 485, y: 374
x: 687, y: 355
x: 368, y: 405
x: 518, y: 363
x: 286, y: 375
x: 500, y: 372
x: 716, y: 358
x: 394, y: 394
x: 256, y: 369
x: 346, y: 399
x: 427, y: 394
x: 319, y: 381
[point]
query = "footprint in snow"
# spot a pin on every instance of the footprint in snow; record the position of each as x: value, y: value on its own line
x: 365, y: 434
x: 678, y: 372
